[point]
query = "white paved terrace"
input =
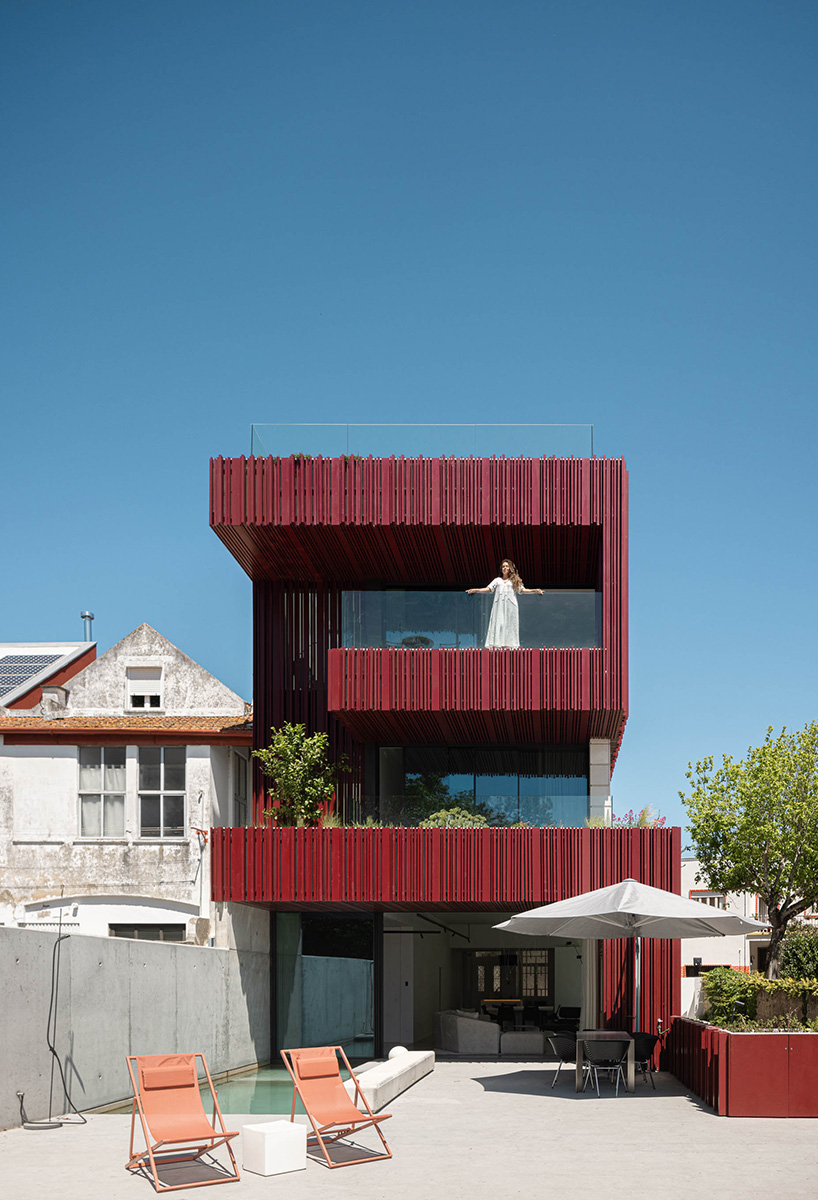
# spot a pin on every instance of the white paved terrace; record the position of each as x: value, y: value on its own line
x: 478, y: 1131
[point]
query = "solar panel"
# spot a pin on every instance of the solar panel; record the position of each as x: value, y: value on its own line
x: 17, y: 668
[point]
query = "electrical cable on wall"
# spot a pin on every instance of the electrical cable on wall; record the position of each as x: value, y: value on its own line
x: 51, y: 1038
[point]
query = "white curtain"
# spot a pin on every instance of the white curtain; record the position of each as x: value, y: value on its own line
x: 590, y: 984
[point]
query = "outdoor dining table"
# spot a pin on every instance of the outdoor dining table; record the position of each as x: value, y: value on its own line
x: 606, y: 1035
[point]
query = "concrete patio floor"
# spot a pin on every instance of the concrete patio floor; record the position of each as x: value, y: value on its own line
x: 492, y: 1128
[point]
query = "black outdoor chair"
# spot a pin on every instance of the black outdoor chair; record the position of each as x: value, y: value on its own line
x: 565, y: 1048
x: 643, y: 1047
x: 566, y: 1019
x: 606, y: 1056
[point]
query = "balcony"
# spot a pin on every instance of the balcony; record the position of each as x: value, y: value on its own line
x: 454, y: 620
x: 417, y: 870
x: 529, y: 696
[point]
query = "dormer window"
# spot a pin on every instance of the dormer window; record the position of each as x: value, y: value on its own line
x: 144, y: 687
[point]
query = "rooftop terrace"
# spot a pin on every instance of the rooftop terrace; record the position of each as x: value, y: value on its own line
x: 423, y: 441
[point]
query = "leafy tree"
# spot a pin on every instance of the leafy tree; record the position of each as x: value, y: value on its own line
x: 799, y: 952
x: 303, y: 778
x: 754, y: 826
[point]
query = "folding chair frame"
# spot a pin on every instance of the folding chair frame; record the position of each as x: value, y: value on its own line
x: 321, y: 1132
x: 148, y: 1159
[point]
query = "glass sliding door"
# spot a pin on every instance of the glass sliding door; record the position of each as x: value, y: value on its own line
x: 326, y: 981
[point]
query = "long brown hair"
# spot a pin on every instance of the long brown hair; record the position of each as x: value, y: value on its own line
x: 513, y: 574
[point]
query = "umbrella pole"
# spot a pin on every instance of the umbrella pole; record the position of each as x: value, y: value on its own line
x: 637, y: 980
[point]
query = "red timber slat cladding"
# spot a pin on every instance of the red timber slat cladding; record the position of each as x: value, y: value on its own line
x: 443, y: 522
x: 293, y: 626
x: 430, y: 521
x: 466, y: 870
x: 528, y: 696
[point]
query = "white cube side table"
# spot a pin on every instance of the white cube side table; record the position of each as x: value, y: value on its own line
x: 274, y: 1147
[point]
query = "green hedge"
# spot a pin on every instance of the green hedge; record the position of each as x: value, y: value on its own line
x: 732, y: 1000
x: 799, y: 952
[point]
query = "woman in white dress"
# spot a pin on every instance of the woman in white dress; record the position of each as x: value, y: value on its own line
x: 504, y: 623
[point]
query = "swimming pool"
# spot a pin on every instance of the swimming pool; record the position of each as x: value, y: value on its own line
x: 269, y: 1091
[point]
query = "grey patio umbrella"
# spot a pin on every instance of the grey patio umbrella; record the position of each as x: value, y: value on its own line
x: 629, y: 910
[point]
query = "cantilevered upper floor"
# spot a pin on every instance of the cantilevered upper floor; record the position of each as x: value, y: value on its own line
x: 384, y: 548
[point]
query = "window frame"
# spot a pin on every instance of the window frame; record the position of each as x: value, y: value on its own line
x: 139, y: 932
x: 162, y: 793
x: 241, y: 767
x: 101, y: 794
x: 703, y: 896
x: 145, y: 682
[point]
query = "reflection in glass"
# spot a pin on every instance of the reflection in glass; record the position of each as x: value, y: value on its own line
x: 506, y: 785
x: 174, y: 769
x: 419, y: 620
x: 150, y: 821
x: 174, y: 822
x: 150, y: 763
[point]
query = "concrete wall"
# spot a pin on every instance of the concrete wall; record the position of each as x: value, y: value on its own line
x: 337, y: 999
x: 118, y: 997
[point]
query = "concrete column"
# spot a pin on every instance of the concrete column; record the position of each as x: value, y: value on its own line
x: 599, y: 780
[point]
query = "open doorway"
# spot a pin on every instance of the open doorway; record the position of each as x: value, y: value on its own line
x: 437, y: 962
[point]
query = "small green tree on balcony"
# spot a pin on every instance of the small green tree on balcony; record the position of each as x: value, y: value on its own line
x: 754, y: 826
x: 303, y: 780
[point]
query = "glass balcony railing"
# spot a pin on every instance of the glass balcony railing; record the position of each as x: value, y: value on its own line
x: 423, y: 441
x: 499, y: 811
x: 434, y: 620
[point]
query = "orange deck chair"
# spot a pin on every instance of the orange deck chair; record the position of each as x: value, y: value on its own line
x: 166, y: 1096
x: 316, y: 1076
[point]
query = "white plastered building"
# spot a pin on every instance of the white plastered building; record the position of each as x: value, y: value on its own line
x: 109, y: 781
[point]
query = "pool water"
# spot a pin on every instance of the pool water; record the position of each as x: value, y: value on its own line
x: 268, y: 1091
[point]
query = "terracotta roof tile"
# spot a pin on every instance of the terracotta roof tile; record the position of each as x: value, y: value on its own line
x: 19, y: 722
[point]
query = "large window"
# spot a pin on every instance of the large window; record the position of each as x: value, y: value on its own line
x: 102, y: 791
x: 162, y: 791
x: 539, y: 785
x: 240, y: 773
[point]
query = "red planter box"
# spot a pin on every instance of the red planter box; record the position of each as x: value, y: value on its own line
x: 745, y: 1074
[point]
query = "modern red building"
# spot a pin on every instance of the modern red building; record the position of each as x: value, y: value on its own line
x: 364, y: 628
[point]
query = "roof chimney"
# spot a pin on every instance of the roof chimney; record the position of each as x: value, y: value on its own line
x: 87, y: 618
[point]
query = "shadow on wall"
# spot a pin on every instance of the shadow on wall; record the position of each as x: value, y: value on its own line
x: 119, y: 997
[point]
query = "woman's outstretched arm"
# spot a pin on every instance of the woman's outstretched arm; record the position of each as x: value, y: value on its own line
x: 471, y: 591
x: 530, y: 591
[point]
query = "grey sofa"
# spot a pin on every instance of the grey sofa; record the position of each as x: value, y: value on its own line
x: 459, y: 1032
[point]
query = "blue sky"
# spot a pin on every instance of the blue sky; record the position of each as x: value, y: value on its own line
x: 216, y: 214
